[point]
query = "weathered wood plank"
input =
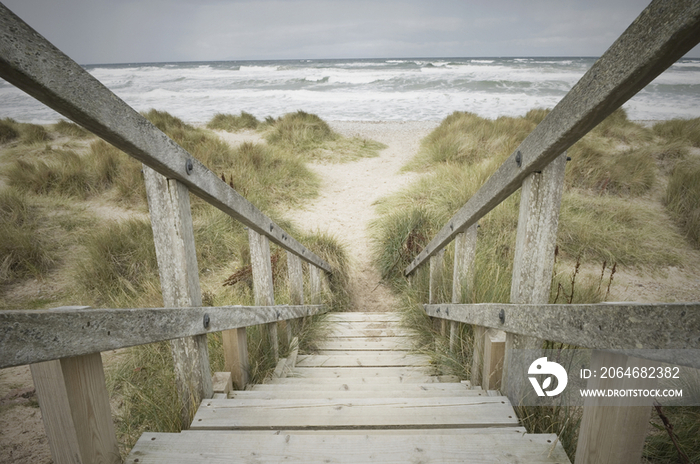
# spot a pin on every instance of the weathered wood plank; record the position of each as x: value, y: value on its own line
x: 285, y: 393
x: 315, y: 296
x: 365, y: 343
x: 463, y: 275
x: 235, y: 346
x: 33, y: 336
x: 533, y: 264
x: 345, y: 448
x: 367, y: 332
x: 222, y: 382
x: 55, y: 411
x: 363, y: 317
x: 173, y: 236
x: 666, y: 332
x: 263, y: 289
x: 361, y: 353
x: 359, y: 387
x: 613, y: 433
x: 465, y: 432
x: 633, y: 61
x: 494, y: 342
x: 368, y: 412
x: 366, y: 360
x: 360, y: 372
x: 75, y: 410
x: 30, y: 62
x: 370, y: 380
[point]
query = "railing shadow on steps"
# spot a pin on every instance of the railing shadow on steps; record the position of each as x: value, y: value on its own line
x: 662, y: 34
x: 63, y: 345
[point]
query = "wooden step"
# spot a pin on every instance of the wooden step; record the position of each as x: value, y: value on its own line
x: 378, y: 387
x: 353, y: 413
x: 272, y: 447
x: 365, y: 343
x: 360, y: 372
x: 350, y: 330
x: 364, y: 360
x: 391, y: 391
x: 363, y: 317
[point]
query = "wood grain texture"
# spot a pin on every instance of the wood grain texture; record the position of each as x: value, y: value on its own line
x: 263, y: 288
x: 363, y: 360
x: 88, y: 398
x: 63, y: 85
x: 613, y: 430
x: 666, y: 332
x: 366, y: 413
x: 173, y: 235
x: 55, y: 412
x: 398, y: 447
x: 40, y: 335
x: 533, y: 264
x: 633, y: 61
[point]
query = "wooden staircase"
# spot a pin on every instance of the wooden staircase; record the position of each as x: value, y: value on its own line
x: 362, y: 398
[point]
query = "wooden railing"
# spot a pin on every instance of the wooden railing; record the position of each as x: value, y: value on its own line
x: 63, y: 346
x: 662, y: 34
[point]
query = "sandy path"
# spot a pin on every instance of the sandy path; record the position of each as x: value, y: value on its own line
x: 345, y: 205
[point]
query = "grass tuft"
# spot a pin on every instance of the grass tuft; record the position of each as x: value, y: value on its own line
x: 683, y: 198
x: 24, y: 249
x: 687, y: 130
x: 70, y: 129
x: 233, y: 123
x: 310, y: 137
x: 8, y: 130
x: 119, y: 267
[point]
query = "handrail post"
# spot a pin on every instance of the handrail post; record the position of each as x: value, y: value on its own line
x: 262, y: 280
x: 315, y: 284
x: 295, y: 277
x: 463, y: 280
x: 173, y: 235
x: 436, y: 280
x: 614, y: 433
x: 538, y: 222
x: 75, y: 410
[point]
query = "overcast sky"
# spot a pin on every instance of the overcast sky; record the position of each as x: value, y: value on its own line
x: 132, y: 31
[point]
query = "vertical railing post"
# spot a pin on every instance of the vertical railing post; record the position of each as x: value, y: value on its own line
x: 538, y: 222
x: 436, y: 280
x: 173, y: 235
x: 463, y: 275
x: 262, y: 280
x: 315, y: 284
x: 295, y: 277
x: 614, y: 433
x: 75, y: 410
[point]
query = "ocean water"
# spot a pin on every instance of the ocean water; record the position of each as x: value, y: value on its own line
x: 365, y: 90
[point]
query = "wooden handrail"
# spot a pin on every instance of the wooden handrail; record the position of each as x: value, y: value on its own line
x: 605, y: 326
x: 663, y: 33
x: 34, y: 65
x: 31, y: 336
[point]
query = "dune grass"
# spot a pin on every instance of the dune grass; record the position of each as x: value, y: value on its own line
x: 312, y: 138
x: 683, y: 197
x: 25, y: 250
x: 687, y: 130
x: 233, y: 123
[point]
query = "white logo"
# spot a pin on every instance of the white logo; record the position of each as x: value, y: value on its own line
x: 542, y: 366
